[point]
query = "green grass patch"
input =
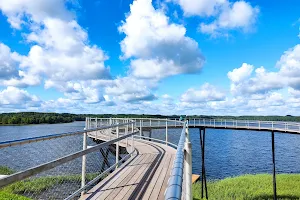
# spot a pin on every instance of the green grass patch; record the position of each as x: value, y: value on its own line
x: 37, y: 185
x: 252, y: 187
x: 6, y: 170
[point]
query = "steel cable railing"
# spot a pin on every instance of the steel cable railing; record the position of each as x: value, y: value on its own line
x: 51, y: 167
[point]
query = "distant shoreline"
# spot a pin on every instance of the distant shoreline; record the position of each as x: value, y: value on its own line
x: 38, y: 124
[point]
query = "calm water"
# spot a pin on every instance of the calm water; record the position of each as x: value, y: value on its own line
x: 228, y: 152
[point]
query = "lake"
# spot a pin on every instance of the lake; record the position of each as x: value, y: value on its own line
x: 228, y: 152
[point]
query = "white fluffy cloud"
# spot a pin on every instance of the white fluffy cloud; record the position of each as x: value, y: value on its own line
x: 15, y: 97
x: 222, y: 15
x: 36, y: 10
x: 238, y: 15
x: 206, y: 93
x: 61, y: 51
x: 200, y: 7
x: 129, y: 89
x: 240, y: 74
x: 158, y: 47
x: 244, y: 82
x: 9, y: 62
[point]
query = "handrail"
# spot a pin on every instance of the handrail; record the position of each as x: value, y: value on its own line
x: 53, y: 136
x: 175, y: 183
x: 49, y: 165
x: 290, y: 127
x: 157, y: 140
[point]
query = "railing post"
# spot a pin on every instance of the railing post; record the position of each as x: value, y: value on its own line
x: 225, y: 123
x: 214, y: 123
x: 132, y: 142
x: 194, y: 122
x: 126, y: 132
x: 188, y: 164
x: 175, y: 122
x: 117, y: 147
x: 272, y: 125
x: 274, y: 167
x: 84, y: 146
x: 150, y: 122
x: 259, y: 125
x: 140, y: 129
x: 167, y: 132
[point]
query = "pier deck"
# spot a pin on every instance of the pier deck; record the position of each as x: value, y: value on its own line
x: 143, y: 176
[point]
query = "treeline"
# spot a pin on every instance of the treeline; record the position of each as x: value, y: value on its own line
x: 53, y: 118
x: 36, y: 118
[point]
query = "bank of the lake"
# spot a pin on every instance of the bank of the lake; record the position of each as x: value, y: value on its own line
x: 251, y: 187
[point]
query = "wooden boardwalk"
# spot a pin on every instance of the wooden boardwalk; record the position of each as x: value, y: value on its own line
x: 143, y: 176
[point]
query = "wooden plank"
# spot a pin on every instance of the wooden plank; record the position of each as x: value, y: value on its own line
x: 108, y: 188
x: 165, y: 183
x: 195, y: 177
x: 105, y: 183
x: 146, y: 175
x: 160, y: 181
x: 155, y: 178
x: 134, y: 180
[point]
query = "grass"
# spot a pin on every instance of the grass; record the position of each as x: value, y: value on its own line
x: 252, y: 187
x: 5, y: 170
x: 36, y: 185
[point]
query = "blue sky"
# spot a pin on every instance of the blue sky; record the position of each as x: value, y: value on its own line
x: 215, y: 57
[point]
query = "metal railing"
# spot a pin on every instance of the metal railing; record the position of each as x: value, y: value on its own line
x: 70, y: 172
x: 247, y: 124
x: 180, y: 182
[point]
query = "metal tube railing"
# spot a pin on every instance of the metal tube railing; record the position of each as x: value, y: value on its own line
x: 44, y: 167
x: 175, y: 183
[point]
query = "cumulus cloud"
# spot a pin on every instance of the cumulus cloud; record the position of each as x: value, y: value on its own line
x: 60, y: 52
x: 238, y: 15
x: 206, y: 93
x: 221, y: 15
x: 35, y: 10
x: 17, y: 98
x: 8, y: 62
x: 129, y: 89
x: 244, y: 81
x: 201, y: 8
x: 61, y: 46
x: 240, y: 74
x: 158, y: 47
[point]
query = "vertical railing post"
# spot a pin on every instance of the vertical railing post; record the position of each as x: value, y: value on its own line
x: 150, y: 122
x: 126, y: 132
x: 140, y: 129
x: 214, y: 123
x: 259, y: 125
x: 194, y: 122
x: 132, y: 141
x: 175, y: 122
x: 274, y: 167
x: 117, y: 146
x: 84, y: 146
x: 167, y: 132
x: 188, y: 164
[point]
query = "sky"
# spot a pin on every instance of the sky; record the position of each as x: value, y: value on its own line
x: 194, y: 57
